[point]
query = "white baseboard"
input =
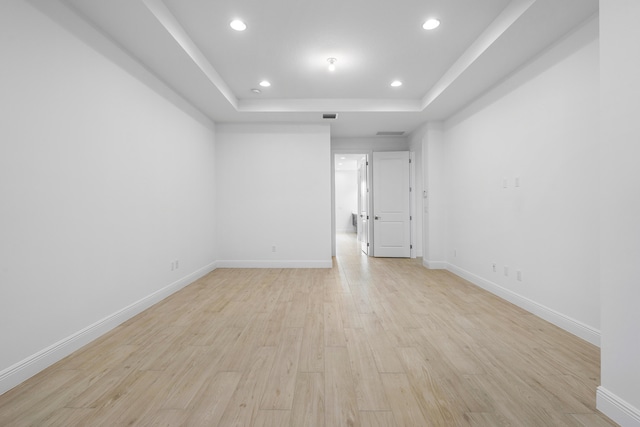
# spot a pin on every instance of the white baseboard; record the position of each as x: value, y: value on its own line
x: 617, y: 409
x: 25, y: 369
x: 567, y: 323
x: 434, y: 265
x: 275, y: 264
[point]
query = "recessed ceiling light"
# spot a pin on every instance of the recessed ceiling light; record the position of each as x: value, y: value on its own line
x: 343, y: 158
x: 255, y: 90
x: 238, y: 25
x: 431, y: 24
x: 265, y: 83
x: 396, y: 83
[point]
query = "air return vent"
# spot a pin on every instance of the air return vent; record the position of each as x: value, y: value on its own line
x: 329, y: 115
x: 390, y: 133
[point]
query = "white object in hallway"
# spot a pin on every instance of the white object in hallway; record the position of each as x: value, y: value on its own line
x: 391, y: 204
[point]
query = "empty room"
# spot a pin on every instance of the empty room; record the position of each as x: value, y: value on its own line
x: 337, y: 213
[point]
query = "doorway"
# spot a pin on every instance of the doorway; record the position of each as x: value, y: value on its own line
x: 379, y: 228
x: 351, y: 201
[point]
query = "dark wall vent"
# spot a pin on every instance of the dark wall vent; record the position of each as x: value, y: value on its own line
x: 329, y: 115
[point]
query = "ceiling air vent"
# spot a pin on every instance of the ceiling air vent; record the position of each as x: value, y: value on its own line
x: 390, y: 133
x: 329, y: 115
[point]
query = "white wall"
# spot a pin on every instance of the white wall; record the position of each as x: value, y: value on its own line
x: 540, y: 126
x: 274, y: 190
x: 430, y: 216
x: 436, y: 196
x: 415, y: 142
x: 103, y: 183
x: 346, y: 200
x: 619, y: 395
x: 369, y: 145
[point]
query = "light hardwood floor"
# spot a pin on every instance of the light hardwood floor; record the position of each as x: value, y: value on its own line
x: 370, y: 342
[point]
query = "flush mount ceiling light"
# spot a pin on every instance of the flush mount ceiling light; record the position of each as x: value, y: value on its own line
x: 396, y: 83
x: 256, y: 91
x: 332, y: 63
x: 431, y: 24
x: 265, y: 83
x: 238, y: 25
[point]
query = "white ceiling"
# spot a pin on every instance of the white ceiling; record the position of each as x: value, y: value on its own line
x: 189, y: 45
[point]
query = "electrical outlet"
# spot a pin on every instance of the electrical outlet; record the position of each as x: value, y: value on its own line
x: 519, y: 275
x: 455, y: 253
x: 177, y: 264
x: 494, y: 267
x: 506, y: 270
x: 273, y: 248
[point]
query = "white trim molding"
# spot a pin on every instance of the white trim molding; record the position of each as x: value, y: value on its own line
x: 434, y: 265
x: 25, y: 369
x: 617, y: 409
x: 563, y: 321
x: 275, y: 264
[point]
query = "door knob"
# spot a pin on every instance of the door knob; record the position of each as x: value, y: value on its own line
x: 377, y: 217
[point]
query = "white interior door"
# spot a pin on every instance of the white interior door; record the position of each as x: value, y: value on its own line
x: 391, y: 204
x: 363, y: 204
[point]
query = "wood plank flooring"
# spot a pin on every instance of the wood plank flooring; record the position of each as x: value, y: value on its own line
x: 370, y: 342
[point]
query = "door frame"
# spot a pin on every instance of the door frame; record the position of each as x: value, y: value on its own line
x: 369, y: 153
x: 363, y: 230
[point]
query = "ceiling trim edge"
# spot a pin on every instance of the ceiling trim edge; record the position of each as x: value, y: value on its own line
x: 175, y: 30
x: 499, y: 26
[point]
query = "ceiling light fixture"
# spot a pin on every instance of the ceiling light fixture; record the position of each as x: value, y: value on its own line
x: 255, y: 90
x: 265, y: 83
x: 396, y: 83
x: 431, y: 24
x: 238, y: 25
x: 332, y: 63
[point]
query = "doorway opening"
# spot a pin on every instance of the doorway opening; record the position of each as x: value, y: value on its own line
x: 351, y: 203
